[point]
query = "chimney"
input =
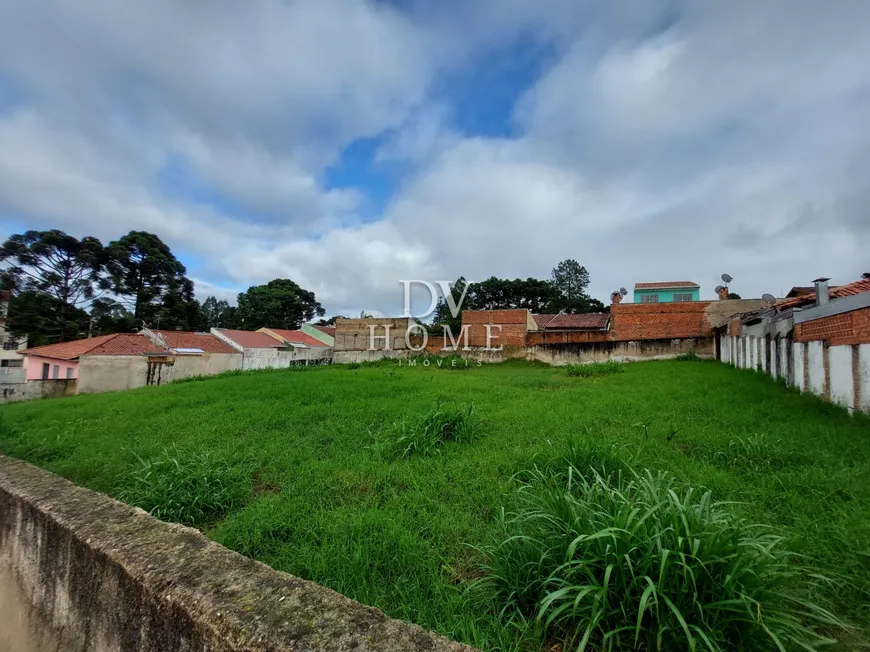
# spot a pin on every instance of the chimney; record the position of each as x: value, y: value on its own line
x: 821, y: 291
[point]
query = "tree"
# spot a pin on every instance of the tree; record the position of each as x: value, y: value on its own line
x: 109, y: 316
x: 217, y: 314
x: 178, y: 310
x: 145, y: 274
x: 45, y: 319
x: 64, y: 268
x: 280, y: 303
x: 570, y: 279
x: 733, y: 295
x: 327, y: 322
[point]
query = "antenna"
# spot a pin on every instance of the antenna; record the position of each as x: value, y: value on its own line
x: 623, y: 291
x: 727, y: 278
x: 769, y: 298
x: 719, y: 288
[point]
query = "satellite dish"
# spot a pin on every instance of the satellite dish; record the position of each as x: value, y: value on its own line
x: 623, y: 291
x: 769, y: 298
x: 719, y: 288
x: 727, y: 278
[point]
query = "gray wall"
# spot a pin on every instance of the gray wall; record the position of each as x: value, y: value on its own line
x: 111, y: 373
x: 840, y: 374
x: 37, y: 389
x: 90, y: 574
x: 280, y: 359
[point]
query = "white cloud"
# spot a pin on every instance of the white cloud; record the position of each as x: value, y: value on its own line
x: 673, y: 141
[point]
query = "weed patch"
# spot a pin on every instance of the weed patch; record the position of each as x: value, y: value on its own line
x: 690, y: 356
x: 429, y: 433
x: 595, y: 369
x: 193, y: 488
x: 627, y: 562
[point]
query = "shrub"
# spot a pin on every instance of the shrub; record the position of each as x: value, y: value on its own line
x: 615, y: 562
x: 691, y: 356
x: 428, y: 433
x: 354, y: 365
x: 595, y: 368
x: 193, y: 488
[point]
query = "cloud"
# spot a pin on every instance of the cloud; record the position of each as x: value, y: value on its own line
x: 664, y: 141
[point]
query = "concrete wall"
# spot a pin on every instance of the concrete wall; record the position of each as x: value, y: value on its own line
x: 839, y: 373
x: 355, y: 334
x: 89, y: 574
x: 36, y: 389
x: 112, y: 373
x: 280, y: 359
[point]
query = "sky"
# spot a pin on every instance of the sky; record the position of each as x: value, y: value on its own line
x: 351, y: 144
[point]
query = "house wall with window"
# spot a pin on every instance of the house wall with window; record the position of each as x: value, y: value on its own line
x: 39, y: 368
x: 665, y: 292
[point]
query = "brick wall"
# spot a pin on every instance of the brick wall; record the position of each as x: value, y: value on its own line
x: 514, y: 326
x: 846, y: 328
x: 534, y: 338
x: 647, y: 321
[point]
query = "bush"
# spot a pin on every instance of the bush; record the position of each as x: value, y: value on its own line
x: 691, y: 356
x: 428, y: 433
x: 628, y: 562
x: 193, y: 488
x: 595, y: 368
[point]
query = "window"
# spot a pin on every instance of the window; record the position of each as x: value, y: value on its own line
x: 45, y: 367
x: 683, y: 297
x: 649, y: 298
x: 10, y: 345
x: 55, y: 371
x: 69, y: 373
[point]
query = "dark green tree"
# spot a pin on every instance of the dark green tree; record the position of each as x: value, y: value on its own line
x: 733, y: 295
x: 151, y: 282
x: 280, y: 303
x: 327, y: 322
x: 570, y: 279
x: 109, y: 316
x: 45, y: 319
x: 217, y: 314
x: 60, y: 266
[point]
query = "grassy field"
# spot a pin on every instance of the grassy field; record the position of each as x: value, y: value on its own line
x: 317, y: 472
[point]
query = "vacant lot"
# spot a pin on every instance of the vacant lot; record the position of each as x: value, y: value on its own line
x: 318, y: 472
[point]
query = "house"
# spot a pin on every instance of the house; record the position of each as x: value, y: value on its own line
x: 297, y: 339
x: 817, y: 341
x: 325, y: 334
x: 666, y: 292
x: 61, y: 361
x: 275, y: 349
x: 10, y: 347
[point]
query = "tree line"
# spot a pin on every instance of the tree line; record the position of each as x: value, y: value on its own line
x: 65, y: 288
x: 564, y: 292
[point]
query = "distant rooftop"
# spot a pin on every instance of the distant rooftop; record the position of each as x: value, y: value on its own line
x: 665, y: 285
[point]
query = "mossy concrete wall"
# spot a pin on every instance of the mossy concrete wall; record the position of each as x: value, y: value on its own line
x: 82, y: 572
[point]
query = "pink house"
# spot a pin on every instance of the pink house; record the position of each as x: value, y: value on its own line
x: 61, y: 361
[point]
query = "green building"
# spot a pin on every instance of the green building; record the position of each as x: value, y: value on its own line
x: 666, y: 292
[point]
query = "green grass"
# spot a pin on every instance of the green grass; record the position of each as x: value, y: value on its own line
x: 310, y: 492
x: 595, y: 369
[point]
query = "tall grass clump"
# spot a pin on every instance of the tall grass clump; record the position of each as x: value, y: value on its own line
x: 193, y: 488
x: 634, y: 562
x: 595, y: 369
x: 689, y: 356
x: 427, y: 433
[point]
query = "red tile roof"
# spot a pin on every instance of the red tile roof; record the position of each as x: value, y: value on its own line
x: 329, y: 330
x: 297, y: 337
x: 837, y: 292
x: 591, y: 320
x: 187, y: 340
x: 663, y: 285
x: 250, y: 339
x: 115, y: 344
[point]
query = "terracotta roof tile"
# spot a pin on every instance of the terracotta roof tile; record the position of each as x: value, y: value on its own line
x: 187, y: 340
x: 68, y: 350
x: 296, y: 337
x: 250, y: 339
x: 329, y: 330
x: 837, y: 292
x: 592, y: 320
x: 125, y: 344
x: 662, y: 285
